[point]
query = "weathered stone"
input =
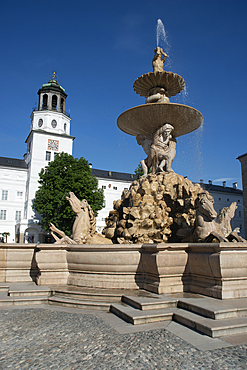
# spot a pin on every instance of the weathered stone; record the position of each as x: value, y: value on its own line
x: 147, y: 224
x: 152, y: 205
x: 110, y: 231
x: 117, y: 204
x: 136, y: 199
x: 122, y: 223
x: 120, y: 231
x: 134, y: 213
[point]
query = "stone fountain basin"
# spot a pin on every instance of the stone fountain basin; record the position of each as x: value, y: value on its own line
x: 145, y: 119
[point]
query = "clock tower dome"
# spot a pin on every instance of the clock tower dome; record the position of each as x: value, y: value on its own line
x: 49, y: 135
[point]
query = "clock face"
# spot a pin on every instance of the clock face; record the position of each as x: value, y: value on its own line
x: 40, y: 123
x: 54, y: 123
x: 53, y: 145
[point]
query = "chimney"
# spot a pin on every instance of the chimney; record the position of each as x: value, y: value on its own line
x: 90, y: 165
x: 109, y: 174
x: 201, y: 181
x: 224, y: 184
x: 210, y: 182
x: 235, y: 185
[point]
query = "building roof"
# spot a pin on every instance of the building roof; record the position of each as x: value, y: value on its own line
x: 113, y: 175
x: 243, y: 155
x: 220, y: 188
x: 12, y: 162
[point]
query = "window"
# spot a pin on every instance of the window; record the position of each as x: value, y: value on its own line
x: 54, y: 102
x: 238, y: 200
x: 2, y: 214
x: 65, y: 127
x: 17, y: 215
x: 103, y: 219
x: 239, y: 212
x: 19, y: 194
x: 45, y: 100
x: 227, y: 200
x: 240, y: 227
x: 114, y: 187
x: 48, y: 156
x: 219, y: 198
x: 4, y: 194
x: 103, y: 187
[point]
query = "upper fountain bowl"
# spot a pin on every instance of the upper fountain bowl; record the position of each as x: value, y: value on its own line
x: 171, y: 82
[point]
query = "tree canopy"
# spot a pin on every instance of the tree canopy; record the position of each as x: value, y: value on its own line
x: 138, y: 171
x: 62, y: 175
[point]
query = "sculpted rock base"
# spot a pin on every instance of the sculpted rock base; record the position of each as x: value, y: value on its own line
x: 153, y: 209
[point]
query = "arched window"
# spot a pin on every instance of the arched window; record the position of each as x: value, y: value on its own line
x: 45, y: 100
x: 54, y: 102
x: 62, y: 104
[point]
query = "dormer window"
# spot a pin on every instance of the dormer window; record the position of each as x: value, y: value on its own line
x: 54, y: 102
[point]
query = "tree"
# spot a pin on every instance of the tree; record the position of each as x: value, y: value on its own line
x: 138, y: 171
x: 62, y: 175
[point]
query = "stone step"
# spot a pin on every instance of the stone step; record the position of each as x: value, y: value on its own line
x: 91, y: 296
x: 4, y: 288
x: 214, y: 308
x: 210, y: 327
x: 79, y: 303
x: 144, y: 303
x: 20, y: 301
x: 136, y: 317
x: 30, y: 292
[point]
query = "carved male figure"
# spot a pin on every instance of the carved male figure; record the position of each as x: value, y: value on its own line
x: 163, y: 149
x: 158, y: 63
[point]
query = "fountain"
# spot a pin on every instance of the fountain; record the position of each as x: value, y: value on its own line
x: 163, y: 206
x: 163, y: 235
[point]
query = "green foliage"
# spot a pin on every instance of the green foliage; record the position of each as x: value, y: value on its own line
x: 138, y: 171
x: 62, y: 175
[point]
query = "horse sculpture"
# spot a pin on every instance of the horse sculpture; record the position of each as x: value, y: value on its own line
x: 84, y: 227
x: 209, y: 227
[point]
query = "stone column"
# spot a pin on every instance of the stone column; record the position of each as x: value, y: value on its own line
x: 243, y: 161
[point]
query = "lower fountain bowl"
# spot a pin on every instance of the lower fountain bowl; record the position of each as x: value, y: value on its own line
x: 145, y: 119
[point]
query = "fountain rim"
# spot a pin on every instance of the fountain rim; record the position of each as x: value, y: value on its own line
x: 181, y: 125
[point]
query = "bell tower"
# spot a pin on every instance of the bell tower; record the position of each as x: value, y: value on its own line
x: 49, y: 134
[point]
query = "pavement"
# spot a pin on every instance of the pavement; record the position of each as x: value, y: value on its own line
x: 52, y: 337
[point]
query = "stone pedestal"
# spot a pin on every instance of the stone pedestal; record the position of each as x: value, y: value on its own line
x: 17, y: 263
x: 218, y: 270
x: 165, y: 268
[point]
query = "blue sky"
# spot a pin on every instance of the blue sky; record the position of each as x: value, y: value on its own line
x: 99, y: 48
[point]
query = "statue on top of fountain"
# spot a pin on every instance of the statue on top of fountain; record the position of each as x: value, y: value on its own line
x: 158, y: 94
x: 158, y: 63
x: 160, y: 150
